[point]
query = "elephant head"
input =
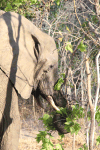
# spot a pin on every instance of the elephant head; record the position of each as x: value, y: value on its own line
x: 28, y: 57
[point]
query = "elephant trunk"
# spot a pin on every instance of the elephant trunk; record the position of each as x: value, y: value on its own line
x: 51, y: 101
x: 58, y: 119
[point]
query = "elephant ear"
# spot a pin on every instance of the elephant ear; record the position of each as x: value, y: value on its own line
x: 19, y: 50
x: 2, y: 12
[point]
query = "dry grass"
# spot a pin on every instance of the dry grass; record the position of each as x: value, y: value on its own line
x: 28, y: 142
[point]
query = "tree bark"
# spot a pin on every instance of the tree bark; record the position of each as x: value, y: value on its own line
x: 92, y: 125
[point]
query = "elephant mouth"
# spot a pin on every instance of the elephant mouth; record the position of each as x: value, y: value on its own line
x: 58, y: 120
x: 49, y: 99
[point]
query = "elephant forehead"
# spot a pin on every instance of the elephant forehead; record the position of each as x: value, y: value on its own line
x: 49, y: 53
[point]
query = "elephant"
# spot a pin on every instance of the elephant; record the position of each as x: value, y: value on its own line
x: 1, y: 12
x: 28, y: 65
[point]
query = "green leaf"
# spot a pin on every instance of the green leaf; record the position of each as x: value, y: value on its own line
x: 82, y: 47
x: 63, y: 75
x: 41, y: 136
x: 98, y: 141
x: 17, y: 4
x: 46, y: 116
x: 58, y: 84
x: 67, y: 29
x: 97, y: 116
x: 8, y: 7
x: 69, y: 47
x: 59, y: 147
x: 85, y: 147
x: 58, y: 2
x: 48, y: 122
x: 33, y: 1
x: 61, y: 135
x: 77, y: 128
x: 72, y: 130
x: 95, y: 19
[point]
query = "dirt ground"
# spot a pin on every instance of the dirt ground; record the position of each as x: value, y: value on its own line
x: 28, y: 142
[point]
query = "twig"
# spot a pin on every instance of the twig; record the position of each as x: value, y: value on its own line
x: 88, y: 35
x: 97, y: 9
x: 93, y: 29
x: 92, y: 2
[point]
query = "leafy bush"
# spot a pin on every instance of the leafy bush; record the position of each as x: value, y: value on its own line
x: 71, y: 125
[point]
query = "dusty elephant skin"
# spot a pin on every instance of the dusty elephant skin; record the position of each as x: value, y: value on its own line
x: 2, y: 12
x: 28, y: 65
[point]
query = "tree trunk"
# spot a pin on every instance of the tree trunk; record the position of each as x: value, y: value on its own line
x: 92, y: 125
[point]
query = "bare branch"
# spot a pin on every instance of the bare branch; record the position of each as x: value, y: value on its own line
x: 93, y: 29
x: 89, y: 82
x: 88, y: 35
x: 97, y: 8
x: 92, y: 2
x: 92, y: 126
x: 98, y: 80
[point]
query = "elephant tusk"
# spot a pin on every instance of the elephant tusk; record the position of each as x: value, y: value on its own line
x: 51, y: 101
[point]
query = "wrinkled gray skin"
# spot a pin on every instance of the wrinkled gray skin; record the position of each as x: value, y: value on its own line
x: 28, y: 65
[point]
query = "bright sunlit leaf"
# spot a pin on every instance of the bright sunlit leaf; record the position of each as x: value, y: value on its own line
x: 82, y: 46
x: 60, y: 39
x: 69, y: 47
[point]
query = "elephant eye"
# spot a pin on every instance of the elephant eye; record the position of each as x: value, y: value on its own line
x: 45, y: 71
x: 51, y: 66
